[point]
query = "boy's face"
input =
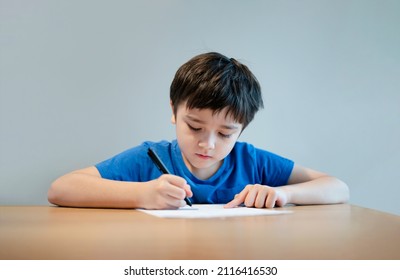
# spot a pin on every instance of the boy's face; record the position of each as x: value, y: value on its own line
x: 204, y: 138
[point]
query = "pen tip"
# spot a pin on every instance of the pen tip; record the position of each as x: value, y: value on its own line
x: 188, y: 202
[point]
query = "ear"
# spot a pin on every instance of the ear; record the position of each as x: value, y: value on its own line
x: 173, y: 119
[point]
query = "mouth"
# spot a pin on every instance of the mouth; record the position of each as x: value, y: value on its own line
x: 202, y: 156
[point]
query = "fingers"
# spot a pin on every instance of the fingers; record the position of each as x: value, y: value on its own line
x: 188, y: 190
x: 174, y: 186
x: 258, y: 196
x: 272, y: 197
x: 170, y: 203
x: 234, y: 202
x: 170, y: 191
x: 178, y: 189
x: 261, y: 198
x: 239, y: 198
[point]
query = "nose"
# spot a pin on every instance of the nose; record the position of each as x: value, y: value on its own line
x: 207, y: 142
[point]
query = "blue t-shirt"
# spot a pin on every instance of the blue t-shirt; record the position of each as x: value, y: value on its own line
x: 244, y: 165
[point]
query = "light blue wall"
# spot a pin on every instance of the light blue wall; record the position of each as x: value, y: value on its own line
x: 83, y: 80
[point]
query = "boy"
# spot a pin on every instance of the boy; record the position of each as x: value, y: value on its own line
x: 213, y: 99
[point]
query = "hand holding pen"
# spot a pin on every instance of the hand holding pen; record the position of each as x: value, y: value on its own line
x: 157, y: 161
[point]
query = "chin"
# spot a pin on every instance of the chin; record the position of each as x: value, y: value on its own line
x: 204, y: 165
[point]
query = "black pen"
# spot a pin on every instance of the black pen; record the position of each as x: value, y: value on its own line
x: 157, y: 161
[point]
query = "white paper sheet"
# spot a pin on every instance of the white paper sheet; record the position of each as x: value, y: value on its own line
x: 212, y: 211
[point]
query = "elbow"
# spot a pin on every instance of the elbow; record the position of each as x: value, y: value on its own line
x: 54, y: 193
x: 344, y: 191
x: 347, y: 196
x: 337, y: 192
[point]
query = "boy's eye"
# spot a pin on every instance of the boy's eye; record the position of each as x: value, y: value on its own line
x: 225, y: 135
x: 196, y: 129
x: 193, y: 128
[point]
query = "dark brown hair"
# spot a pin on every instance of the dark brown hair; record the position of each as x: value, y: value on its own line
x: 214, y: 81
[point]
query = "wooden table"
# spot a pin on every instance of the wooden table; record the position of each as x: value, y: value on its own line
x: 310, y: 232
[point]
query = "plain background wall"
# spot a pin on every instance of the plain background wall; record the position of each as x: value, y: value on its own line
x: 82, y: 80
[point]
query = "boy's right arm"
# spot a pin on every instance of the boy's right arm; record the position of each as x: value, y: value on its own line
x: 86, y: 188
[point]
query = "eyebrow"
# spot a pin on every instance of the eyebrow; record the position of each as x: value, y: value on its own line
x: 225, y: 126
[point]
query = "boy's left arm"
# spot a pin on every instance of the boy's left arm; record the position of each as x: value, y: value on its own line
x: 305, y: 186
